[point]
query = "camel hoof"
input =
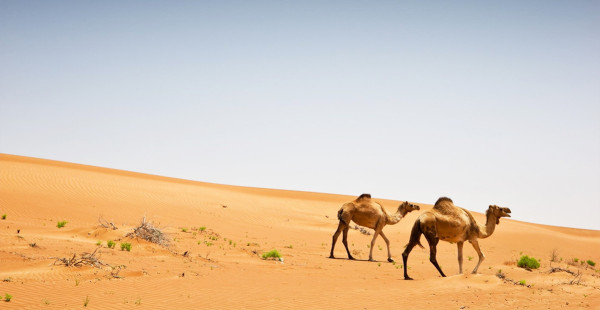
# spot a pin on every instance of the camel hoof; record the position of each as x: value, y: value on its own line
x: 351, y: 258
x: 390, y: 260
x: 372, y: 260
x: 408, y: 278
x: 331, y: 256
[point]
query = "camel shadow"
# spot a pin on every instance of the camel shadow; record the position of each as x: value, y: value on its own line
x: 357, y: 260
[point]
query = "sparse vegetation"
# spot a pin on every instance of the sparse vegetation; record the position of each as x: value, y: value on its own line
x: 470, y: 258
x: 202, y: 228
x: 184, y: 229
x: 500, y: 274
x: 591, y: 262
x: 99, y: 243
x: 86, y: 301
x: 150, y: 233
x: 61, y: 224
x: 7, y: 297
x: 4, y: 216
x: 274, y: 254
x: 84, y: 259
x: 126, y: 246
x: 523, y: 282
x: 110, y: 244
x: 528, y: 262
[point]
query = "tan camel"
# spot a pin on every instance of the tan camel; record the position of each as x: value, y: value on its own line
x: 365, y: 212
x: 449, y: 223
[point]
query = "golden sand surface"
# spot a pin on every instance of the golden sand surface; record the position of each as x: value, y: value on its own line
x: 218, y: 233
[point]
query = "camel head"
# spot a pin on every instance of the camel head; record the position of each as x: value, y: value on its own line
x: 498, y: 212
x: 408, y: 207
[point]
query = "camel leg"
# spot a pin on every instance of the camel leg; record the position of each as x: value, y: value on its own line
x: 375, y: 234
x: 335, y: 237
x: 460, y: 255
x: 433, y: 241
x: 475, y: 244
x: 387, y: 242
x: 345, y: 241
x: 409, y: 248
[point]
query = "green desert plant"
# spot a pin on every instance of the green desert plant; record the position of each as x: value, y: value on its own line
x: 591, y: 262
x: 110, y: 244
x: 99, y: 243
x: 271, y: 254
x: 184, y: 229
x: 202, y: 228
x: 523, y: 282
x: 528, y: 262
x: 4, y: 216
x: 61, y: 224
x: 86, y: 301
x: 126, y: 246
x: 7, y: 297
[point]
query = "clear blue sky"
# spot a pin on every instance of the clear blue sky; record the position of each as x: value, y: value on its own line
x: 484, y: 102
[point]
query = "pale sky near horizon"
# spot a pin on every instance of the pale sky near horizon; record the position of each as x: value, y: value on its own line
x: 484, y: 102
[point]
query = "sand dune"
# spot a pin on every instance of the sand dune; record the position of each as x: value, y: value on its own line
x: 224, y: 230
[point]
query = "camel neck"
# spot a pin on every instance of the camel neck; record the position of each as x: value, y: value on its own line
x: 490, y: 226
x: 396, y: 217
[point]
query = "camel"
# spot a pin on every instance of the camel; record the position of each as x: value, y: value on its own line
x: 449, y: 223
x: 365, y: 212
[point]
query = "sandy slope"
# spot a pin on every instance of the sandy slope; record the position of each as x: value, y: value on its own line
x: 223, y: 269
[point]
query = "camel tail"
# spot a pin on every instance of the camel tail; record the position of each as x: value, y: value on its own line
x: 415, y: 235
x: 340, y: 216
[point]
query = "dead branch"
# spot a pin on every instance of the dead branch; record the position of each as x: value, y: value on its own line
x: 84, y: 259
x: 106, y: 224
x: 148, y: 232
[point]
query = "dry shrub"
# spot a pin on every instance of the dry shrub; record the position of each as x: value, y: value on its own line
x: 149, y: 233
x: 83, y: 259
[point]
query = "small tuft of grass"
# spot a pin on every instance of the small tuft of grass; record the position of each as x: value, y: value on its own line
x: 110, y: 244
x: 61, y: 224
x: 470, y: 258
x: 4, y: 216
x: 86, y: 301
x: 184, y: 229
x: 126, y: 246
x: 99, y: 243
x: 528, y: 262
x: 591, y: 262
x: 7, y: 297
x: 271, y: 254
x: 523, y: 282
x: 202, y: 228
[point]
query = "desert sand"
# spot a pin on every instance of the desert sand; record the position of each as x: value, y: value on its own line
x: 218, y: 234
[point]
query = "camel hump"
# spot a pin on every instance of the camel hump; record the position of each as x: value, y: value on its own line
x: 363, y: 196
x: 443, y: 199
